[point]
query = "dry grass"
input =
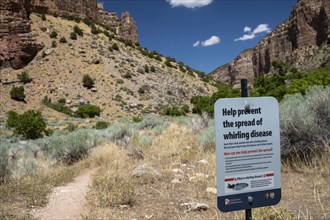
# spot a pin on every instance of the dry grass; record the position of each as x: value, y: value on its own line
x: 176, y: 153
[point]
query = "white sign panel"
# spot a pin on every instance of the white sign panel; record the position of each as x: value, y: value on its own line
x: 248, y: 153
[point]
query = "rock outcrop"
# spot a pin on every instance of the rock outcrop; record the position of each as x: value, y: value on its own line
x: 303, y: 40
x: 17, y: 43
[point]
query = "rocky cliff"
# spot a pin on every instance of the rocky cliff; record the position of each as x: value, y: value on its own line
x: 17, y: 43
x: 16, y: 39
x: 302, y: 40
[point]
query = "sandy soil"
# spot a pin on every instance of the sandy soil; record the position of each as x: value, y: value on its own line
x: 67, y: 202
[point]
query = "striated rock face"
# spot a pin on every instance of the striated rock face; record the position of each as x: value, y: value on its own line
x: 17, y: 43
x: 127, y: 28
x: 78, y: 8
x: 302, y: 40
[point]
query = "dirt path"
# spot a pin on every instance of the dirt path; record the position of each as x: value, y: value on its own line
x: 67, y: 202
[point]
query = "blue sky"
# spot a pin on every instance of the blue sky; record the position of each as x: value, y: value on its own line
x: 203, y: 34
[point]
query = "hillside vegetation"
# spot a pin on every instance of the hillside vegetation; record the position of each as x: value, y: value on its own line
x: 156, y: 166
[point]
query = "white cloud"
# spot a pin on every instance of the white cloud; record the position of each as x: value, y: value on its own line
x: 211, y: 41
x: 189, y: 3
x: 261, y: 28
x: 247, y: 29
x: 196, y: 44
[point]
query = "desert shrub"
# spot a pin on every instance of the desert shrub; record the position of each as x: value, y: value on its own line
x: 63, y: 40
x: 199, y: 122
x: 88, y: 81
x: 151, y: 122
x: 17, y: 93
x: 118, y: 133
x: 88, y: 21
x: 12, y: 118
x: 73, y: 36
x: 101, y: 125
x: 120, y: 81
x: 59, y: 106
x: 137, y: 119
x: 185, y: 108
x: 207, y: 138
x: 4, y: 163
x: 30, y: 124
x: 94, y: 29
x: 115, y: 46
x: 152, y: 69
x: 54, y: 44
x: 43, y: 17
x: 24, y: 77
x: 88, y: 111
x: 72, y: 147
x: 305, y: 122
x: 173, y: 111
x: 143, y: 89
x: 53, y: 34
x: 71, y: 127
x: 78, y: 30
x: 146, y: 68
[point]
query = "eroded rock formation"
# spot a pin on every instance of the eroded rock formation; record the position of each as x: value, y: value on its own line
x: 17, y: 43
x: 302, y: 40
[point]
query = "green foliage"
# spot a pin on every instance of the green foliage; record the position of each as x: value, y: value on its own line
x: 73, y: 36
x: 128, y: 43
x: 206, y: 103
x: 88, y: 21
x: 53, y: 34
x: 88, y: 111
x: 305, y: 123
x: 54, y: 43
x: 78, y: 30
x: 63, y: 40
x: 185, y: 108
x: 59, y: 106
x: 168, y: 63
x: 101, y: 125
x: 94, y: 29
x: 143, y: 89
x: 88, y: 81
x: 30, y: 124
x: 280, y: 85
x: 12, y: 118
x: 115, y: 46
x: 146, y: 68
x: 43, y: 17
x: 120, y: 81
x: 152, y: 69
x: 137, y: 119
x: 174, y: 111
x: 24, y: 77
x: 17, y: 93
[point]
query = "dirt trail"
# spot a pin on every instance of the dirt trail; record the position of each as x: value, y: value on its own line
x: 67, y: 202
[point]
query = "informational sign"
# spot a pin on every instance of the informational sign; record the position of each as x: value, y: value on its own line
x: 248, y: 153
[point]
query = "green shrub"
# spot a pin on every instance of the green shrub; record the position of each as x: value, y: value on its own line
x: 143, y: 89
x: 137, y: 119
x: 146, y: 68
x: 88, y: 82
x: 305, y: 123
x: 101, y: 125
x: 115, y: 46
x: 17, y: 93
x: 71, y: 127
x: 120, y: 81
x: 78, y: 30
x: 152, y: 69
x: 151, y: 122
x: 63, y: 40
x: 73, y: 36
x: 53, y: 34
x: 54, y: 44
x: 94, y: 29
x: 185, y: 108
x: 12, y: 118
x: 24, y: 77
x: 207, y: 138
x: 59, y: 106
x: 88, y: 111
x: 173, y: 111
x: 30, y: 124
x: 43, y: 17
x: 88, y: 21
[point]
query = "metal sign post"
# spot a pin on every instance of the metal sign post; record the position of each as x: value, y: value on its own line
x: 244, y: 93
x: 247, y: 152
